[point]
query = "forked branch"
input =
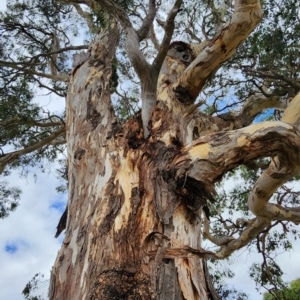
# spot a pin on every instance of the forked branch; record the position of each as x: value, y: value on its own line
x: 246, y: 16
x: 256, y: 104
x: 207, y: 159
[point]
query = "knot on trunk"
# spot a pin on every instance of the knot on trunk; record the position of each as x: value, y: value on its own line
x: 118, y: 284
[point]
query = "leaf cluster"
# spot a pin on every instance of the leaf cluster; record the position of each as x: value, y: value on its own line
x: 32, y: 286
x: 9, y: 199
x: 290, y: 292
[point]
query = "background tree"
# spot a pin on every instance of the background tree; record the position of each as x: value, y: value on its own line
x: 138, y: 188
x: 290, y: 293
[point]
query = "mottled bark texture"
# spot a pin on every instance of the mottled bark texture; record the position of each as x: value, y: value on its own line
x: 122, y: 189
x: 135, y: 222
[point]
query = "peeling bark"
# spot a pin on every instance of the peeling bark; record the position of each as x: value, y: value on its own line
x: 137, y: 190
x: 120, y: 191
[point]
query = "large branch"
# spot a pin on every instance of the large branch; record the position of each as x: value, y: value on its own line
x: 211, y: 156
x: 292, y: 113
x: 247, y: 14
x: 23, y: 67
x: 86, y: 16
x: 149, y: 84
x: 272, y: 74
x: 138, y: 61
x: 280, y: 170
x: 207, y: 159
x: 256, y: 226
x: 148, y: 21
x: 12, y: 156
x: 147, y: 74
x: 169, y: 26
x: 60, y: 50
x: 20, y: 121
x: 283, y: 167
x: 256, y: 104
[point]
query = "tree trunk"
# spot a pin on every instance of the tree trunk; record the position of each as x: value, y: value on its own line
x: 135, y: 200
x: 125, y: 207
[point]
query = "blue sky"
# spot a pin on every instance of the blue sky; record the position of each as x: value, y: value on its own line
x: 59, y: 205
x: 11, y: 247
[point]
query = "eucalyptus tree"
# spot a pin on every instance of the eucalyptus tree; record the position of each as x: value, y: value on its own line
x: 142, y: 188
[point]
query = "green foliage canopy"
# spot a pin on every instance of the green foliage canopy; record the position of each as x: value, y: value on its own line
x: 292, y: 292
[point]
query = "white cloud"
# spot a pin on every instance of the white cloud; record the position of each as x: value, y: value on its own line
x: 2, y: 5
x: 27, y: 243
